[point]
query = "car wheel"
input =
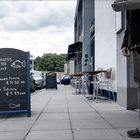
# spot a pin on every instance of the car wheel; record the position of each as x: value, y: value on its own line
x: 33, y: 89
x: 41, y: 86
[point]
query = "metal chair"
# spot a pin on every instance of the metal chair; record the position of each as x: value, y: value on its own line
x: 104, y: 79
x: 95, y: 83
x: 78, y: 85
x: 85, y: 84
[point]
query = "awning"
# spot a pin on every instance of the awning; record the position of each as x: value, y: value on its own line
x: 72, y: 49
x: 126, y: 5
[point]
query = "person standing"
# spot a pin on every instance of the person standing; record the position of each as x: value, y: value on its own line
x: 131, y: 45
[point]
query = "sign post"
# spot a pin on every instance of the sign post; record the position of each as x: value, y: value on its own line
x: 14, y: 81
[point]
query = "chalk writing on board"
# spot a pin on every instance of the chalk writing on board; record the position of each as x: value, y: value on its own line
x: 15, y: 93
x: 18, y: 64
x: 12, y: 82
x: 7, y: 59
x: 3, y: 68
x: 12, y: 105
x: 3, y: 63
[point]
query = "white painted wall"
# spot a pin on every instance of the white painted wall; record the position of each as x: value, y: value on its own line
x: 71, y: 67
x: 105, y: 37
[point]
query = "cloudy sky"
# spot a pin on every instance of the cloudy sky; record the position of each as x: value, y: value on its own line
x: 37, y: 26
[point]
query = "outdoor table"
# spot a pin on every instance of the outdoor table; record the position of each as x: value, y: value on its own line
x: 95, y: 81
x: 77, y: 75
x: 93, y: 73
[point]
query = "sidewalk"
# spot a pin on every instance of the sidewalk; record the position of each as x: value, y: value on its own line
x: 61, y: 115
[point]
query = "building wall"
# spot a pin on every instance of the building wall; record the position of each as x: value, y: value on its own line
x: 126, y: 87
x: 84, y: 16
x: 107, y: 48
x: 108, y: 53
x: 105, y: 38
x: 66, y: 69
x: 71, y: 66
x: 78, y: 35
x: 88, y: 16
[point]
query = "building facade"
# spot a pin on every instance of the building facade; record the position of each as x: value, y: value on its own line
x: 84, y: 31
x: 100, y: 31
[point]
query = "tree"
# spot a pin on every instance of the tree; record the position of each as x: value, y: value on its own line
x: 50, y: 62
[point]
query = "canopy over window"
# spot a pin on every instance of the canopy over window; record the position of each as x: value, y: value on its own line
x: 126, y: 5
x: 73, y: 49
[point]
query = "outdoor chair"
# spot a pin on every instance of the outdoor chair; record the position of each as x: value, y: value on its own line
x: 85, y: 84
x: 95, y: 83
x: 103, y: 80
x: 78, y: 85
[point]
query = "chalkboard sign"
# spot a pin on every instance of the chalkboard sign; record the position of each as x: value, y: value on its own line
x: 14, y: 81
x: 51, y: 80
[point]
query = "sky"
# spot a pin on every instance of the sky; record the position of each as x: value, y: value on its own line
x: 37, y: 26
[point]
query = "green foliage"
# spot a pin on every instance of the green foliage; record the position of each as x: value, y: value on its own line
x: 50, y: 62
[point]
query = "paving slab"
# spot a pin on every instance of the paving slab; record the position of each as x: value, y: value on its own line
x: 60, y: 115
x: 12, y: 135
x: 90, y: 124
x: 80, y: 109
x: 16, y: 125
x: 54, y: 116
x: 52, y: 125
x: 97, y: 134
x: 56, y: 110
x: 50, y: 135
x: 84, y: 116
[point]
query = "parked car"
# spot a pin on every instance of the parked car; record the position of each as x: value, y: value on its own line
x: 65, y: 79
x: 32, y: 83
x: 58, y: 81
x: 39, y: 79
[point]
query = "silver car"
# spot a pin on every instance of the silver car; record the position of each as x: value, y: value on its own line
x: 39, y: 79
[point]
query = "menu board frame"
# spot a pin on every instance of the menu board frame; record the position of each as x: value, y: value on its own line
x: 15, y: 95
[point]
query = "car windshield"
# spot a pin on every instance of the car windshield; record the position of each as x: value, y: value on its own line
x: 36, y: 73
x: 66, y: 77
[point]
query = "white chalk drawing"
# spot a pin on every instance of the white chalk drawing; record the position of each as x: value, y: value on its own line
x: 18, y: 64
x: 12, y: 105
x: 15, y: 82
